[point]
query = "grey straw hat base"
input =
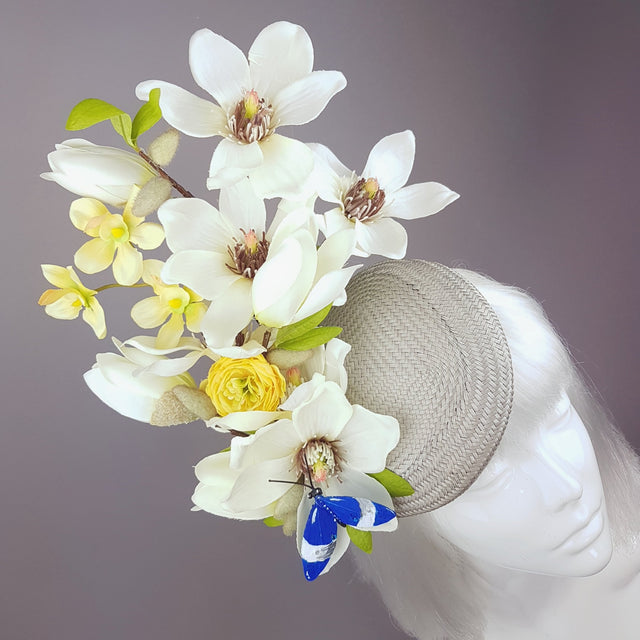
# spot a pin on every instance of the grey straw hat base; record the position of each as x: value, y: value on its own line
x: 429, y: 350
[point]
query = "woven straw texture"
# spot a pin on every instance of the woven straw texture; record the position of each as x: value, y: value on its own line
x: 429, y: 350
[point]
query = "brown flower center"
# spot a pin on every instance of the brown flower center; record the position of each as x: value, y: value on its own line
x: 318, y: 459
x: 251, y: 118
x: 248, y: 254
x: 363, y: 199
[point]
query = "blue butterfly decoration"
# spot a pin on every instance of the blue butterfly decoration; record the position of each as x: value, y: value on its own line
x: 321, y: 530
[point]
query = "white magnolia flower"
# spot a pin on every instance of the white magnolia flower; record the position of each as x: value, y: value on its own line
x: 226, y: 256
x: 275, y: 87
x: 367, y: 202
x: 93, y: 171
x: 326, y: 440
x: 123, y: 384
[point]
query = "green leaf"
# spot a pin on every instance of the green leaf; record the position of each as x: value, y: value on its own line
x: 272, y: 522
x: 89, y: 112
x: 362, y: 539
x: 122, y: 124
x: 298, y: 329
x: 148, y: 114
x: 311, y: 339
x: 393, y: 483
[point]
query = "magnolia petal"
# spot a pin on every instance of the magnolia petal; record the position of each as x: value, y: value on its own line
x: 382, y: 237
x: 148, y: 235
x: 170, y: 367
x: 329, y: 173
x: 219, y: 67
x: 303, y: 393
x: 287, y: 164
x: 356, y: 484
x: 192, y: 223
x: 93, y: 315
x: 336, y: 351
x: 247, y: 350
x: 419, y: 200
x: 83, y: 210
x: 232, y: 161
x: 127, y: 265
x: 328, y: 290
x: 391, y: 160
x: 171, y: 332
x: 242, y: 207
x: 149, y: 312
x: 94, y: 256
x: 305, y: 99
x: 283, y: 281
x: 147, y: 345
x: 271, y: 442
x: 335, y: 251
x: 281, y: 54
x: 252, y: 489
x: 131, y: 405
x: 228, y: 314
x: 185, y: 111
x: 245, y: 420
x: 367, y: 439
x: 324, y: 416
x: 335, y: 221
x: 205, y: 272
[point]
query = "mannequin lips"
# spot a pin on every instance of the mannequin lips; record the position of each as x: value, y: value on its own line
x: 586, y: 534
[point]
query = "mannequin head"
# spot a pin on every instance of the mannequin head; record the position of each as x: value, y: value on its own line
x: 554, y: 499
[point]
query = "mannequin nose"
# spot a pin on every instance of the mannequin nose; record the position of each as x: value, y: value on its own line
x: 560, y: 488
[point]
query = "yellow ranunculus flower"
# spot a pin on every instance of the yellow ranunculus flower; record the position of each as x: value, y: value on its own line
x: 247, y: 384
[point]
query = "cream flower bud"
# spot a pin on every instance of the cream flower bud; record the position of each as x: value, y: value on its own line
x: 94, y: 171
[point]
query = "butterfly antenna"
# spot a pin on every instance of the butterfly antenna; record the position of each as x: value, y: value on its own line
x: 315, y: 491
x: 301, y: 484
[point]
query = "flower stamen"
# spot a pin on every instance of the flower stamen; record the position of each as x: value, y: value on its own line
x: 248, y: 254
x: 318, y: 459
x: 363, y: 200
x: 251, y: 118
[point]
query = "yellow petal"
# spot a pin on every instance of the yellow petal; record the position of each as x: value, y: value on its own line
x: 94, y: 256
x: 170, y: 333
x: 148, y: 235
x: 93, y: 315
x: 83, y: 211
x: 58, y: 276
x: 127, y: 266
x: 193, y: 315
x: 149, y: 313
x: 65, y: 308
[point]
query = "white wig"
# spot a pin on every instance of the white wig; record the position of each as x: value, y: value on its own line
x: 433, y: 589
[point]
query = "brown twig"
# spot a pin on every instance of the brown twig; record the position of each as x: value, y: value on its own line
x: 176, y: 185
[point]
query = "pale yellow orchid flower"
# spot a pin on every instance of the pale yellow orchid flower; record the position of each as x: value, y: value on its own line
x: 113, y: 235
x: 70, y: 297
x: 172, y: 301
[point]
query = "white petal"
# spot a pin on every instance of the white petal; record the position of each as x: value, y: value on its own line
x: 367, y: 439
x: 191, y: 223
x: 242, y: 207
x: 217, y: 480
x: 219, y: 67
x: 253, y: 490
x: 273, y: 441
x: 305, y: 99
x: 328, y: 290
x: 232, y: 161
x: 391, y: 160
x: 205, y: 272
x: 382, y: 237
x: 169, y: 367
x: 336, y: 351
x: 287, y: 164
x: 147, y: 344
x: 185, y: 111
x: 281, y: 54
x: 303, y: 393
x: 283, y: 281
x: 324, y: 416
x: 328, y: 173
x: 335, y: 251
x: 228, y: 314
x: 244, y: 420
x: 419, y: 200
x: 247, y: 350
x: 359, y: 485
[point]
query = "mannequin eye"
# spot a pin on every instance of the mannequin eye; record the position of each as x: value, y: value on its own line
x: 492, y: 479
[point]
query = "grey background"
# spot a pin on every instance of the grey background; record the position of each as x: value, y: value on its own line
x: 528, y: 109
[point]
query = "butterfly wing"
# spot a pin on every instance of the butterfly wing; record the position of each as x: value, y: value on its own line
x: 360, y: 513
x: 318, y: 540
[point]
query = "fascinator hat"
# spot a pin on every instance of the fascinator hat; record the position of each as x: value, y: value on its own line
x: 428, y: 349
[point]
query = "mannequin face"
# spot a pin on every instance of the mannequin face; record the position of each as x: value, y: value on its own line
x: 538, y: 506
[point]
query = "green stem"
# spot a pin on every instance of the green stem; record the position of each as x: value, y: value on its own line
x: 177, y: 186
x: 115, y: 284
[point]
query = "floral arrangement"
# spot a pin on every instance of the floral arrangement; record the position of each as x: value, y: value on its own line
x: 244, y: 295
